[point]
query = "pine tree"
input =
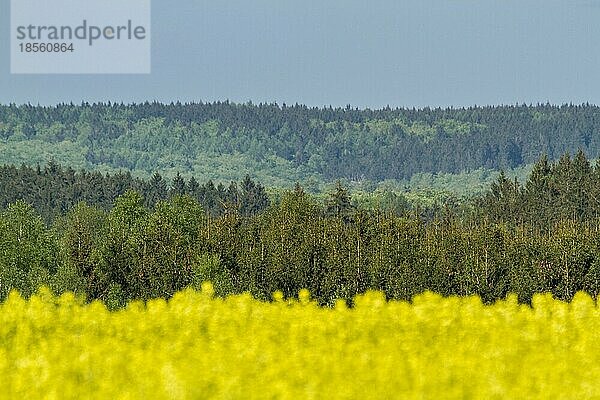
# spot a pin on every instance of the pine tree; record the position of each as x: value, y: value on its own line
x: 582, y: 180
x: 339, y: 203
x: 563, y: 183
x: 156, y: 190
x: 538, y: 195
x: 178, y: 187
x: 193, y: 189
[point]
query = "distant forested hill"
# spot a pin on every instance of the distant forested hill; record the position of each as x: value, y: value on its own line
x: 279, y: 145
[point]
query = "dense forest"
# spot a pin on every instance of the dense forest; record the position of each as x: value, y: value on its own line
x: 137, y: 249
x: 85, y: 209
x: 54, y: 189
x: 280, y: 144
x: 566, y: 189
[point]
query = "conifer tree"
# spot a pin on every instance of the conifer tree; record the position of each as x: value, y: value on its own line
x: 339, y: 203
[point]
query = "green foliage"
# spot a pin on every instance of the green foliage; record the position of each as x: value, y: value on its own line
x: 115, y: 298
x: 338, y: 203
x: 567, y: 189
x: 208, y: 268
x: 280, y: 145
x: 333, y: 247
x: 27, y: 250
x: 54, y: 190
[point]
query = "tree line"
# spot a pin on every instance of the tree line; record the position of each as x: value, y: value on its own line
x: 281, y: 144
x: 54, y: 189
x: 566, y: 189
x: 336, y: 250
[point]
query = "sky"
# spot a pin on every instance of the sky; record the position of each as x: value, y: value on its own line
x: 368, y: 54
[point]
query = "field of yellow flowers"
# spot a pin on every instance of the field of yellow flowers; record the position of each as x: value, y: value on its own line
x: 196, y: 346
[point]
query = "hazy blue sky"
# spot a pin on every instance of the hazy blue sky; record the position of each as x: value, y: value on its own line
x: 338, y: 52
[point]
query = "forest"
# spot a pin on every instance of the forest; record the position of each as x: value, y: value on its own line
x: 54, y: 189
x: 122, y: 202
x: 281, y: 144
x: 542, y: 236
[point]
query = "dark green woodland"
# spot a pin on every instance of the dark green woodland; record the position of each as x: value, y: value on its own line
x: 282, y: 144
x: 137, y: 202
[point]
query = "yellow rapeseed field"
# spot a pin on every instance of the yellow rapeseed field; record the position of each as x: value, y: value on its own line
x: 199, y: 347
